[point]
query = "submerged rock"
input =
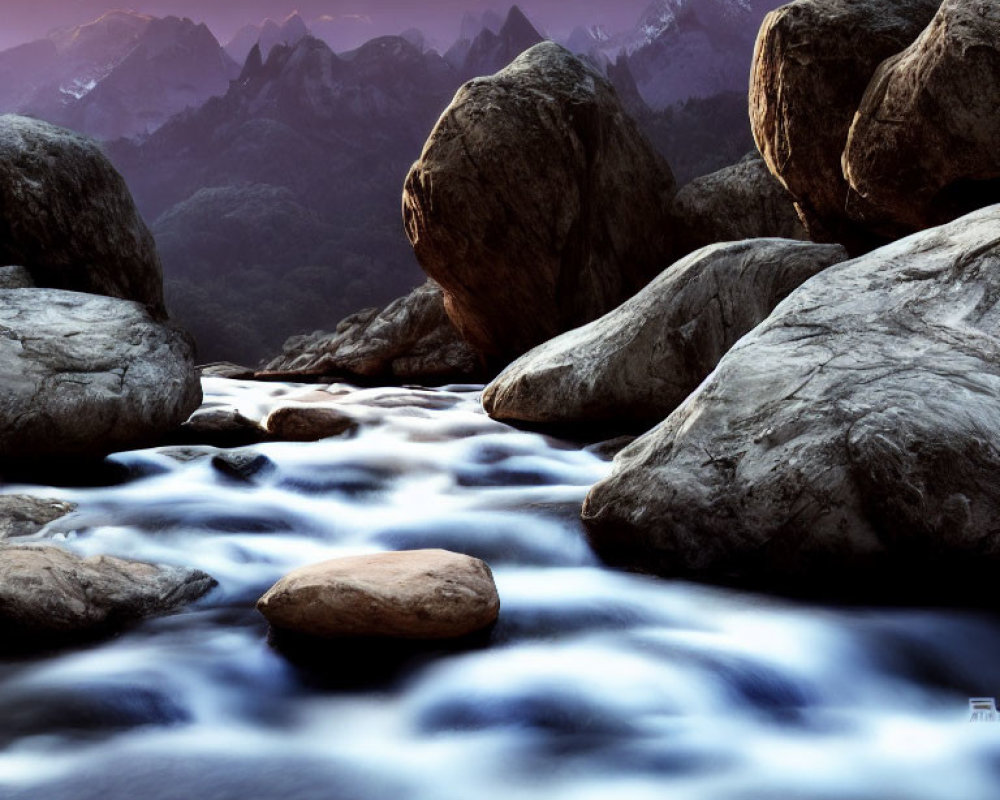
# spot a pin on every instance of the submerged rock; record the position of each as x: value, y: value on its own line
x: 49, y: 596
x: 536, y: 204
x: 854, y: 435
x: 411, y: 340
x: 69, y: 218
x: 85, y: 375
x: 24, y: 515
x: 925, y: 145
x: 633, y: 366
x: 744, y: 201
x: 416, y: 594
x: 812, y: 64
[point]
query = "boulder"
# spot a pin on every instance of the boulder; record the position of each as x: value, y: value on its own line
x: 49, y: 596
x: 68, y: 217
x: 410, y: 341
x: 536, y: 204
x: 307, y: 423
x: 852, y: 440
x: 812, y: 63
x: 23, y: 515
x: 923, y: 148
x: 744, y: 201
x: 85, y: 375
x: 14, y: 277
x: 416, y: 594
x: 632, y: 367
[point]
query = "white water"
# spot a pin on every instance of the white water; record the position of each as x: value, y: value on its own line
x: 595, y: 684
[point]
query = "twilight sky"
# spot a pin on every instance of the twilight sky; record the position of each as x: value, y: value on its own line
x: 23, y: 20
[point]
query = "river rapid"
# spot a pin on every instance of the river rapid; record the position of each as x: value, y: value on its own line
x: 595, y: 684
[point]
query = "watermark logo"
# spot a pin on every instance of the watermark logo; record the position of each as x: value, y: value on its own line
x: 983, y: 709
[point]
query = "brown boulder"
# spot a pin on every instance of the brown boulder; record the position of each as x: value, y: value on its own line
x: 307, y: 423
x: 744, y: 201
x: 68, y: 217
x: 417, y: 594
x: 536, y: 204
x: 812, y: 63
x: 925, y: 145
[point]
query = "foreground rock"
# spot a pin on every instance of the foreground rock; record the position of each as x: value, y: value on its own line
x: 69, y: 218
x: 923, y: 149
x: 812, y: 64
x: 49, y: 596
x: 536, y: 203
x: 744, y: 201
x: 410, y: 341
x: 23, y: 515
x: 635, y: 365
x: 853, y: 435
x: 85, y: 375
x: 417, y: 594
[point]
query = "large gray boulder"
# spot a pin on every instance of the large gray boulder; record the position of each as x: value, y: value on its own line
x: 636, y: 364
x: 411, y: 340
x: 49, y: 596
x: 812, y: 63
x: 536, y: 204
x: 854, y: 434
x: 85, y: 375
x: 67, y: 216
x: 925, y: 144
x: 744, y: 201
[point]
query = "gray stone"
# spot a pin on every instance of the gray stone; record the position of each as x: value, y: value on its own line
x: 854, y: 433
x: 744, y: 201
x: 410, y: 341
x: 24, y: 515
x: 85, y: 375
x: 14, y: 277
x: 812, y: 64
x: 635, y: 365
x: 925, y: 144
x: 536, y: 204
x: 69, y: 218
x: 50, y: 596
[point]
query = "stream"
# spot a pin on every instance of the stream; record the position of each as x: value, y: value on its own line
x: 595, y: 684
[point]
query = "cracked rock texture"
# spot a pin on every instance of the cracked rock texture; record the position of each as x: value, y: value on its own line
x: 413, y: 594
x: 812, y: 63
x: 67, y: 216
x: 636, y: 364
x: 410, y: 340
x: 744, y: 201
x: 49, y: 596
x: 536, y: 204
x: 85, y: 375
x: 855, y: 433
x: 925, y: 145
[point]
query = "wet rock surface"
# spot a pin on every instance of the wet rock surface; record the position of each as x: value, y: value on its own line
x: 850, y: 437
x: 23, y: 515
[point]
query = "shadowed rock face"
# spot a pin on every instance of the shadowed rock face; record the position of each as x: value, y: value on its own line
x: 416, y: 594
x: 49, y: 596
x: 68, y: 218
x: 744, y: 201
x: 536, y: 204
x: 854, y: 433
x: 635, y: 365
x: 923, y: 148
x: 812, y: 63
x: 412, y: 339
x: 85, y: 375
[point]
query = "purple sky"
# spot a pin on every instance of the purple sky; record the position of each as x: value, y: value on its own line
x: 24, y: 20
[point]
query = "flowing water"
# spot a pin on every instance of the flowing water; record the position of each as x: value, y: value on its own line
x: 594, y: 684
